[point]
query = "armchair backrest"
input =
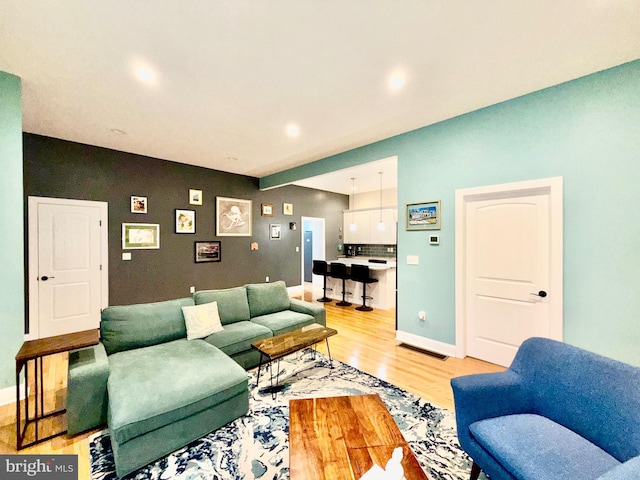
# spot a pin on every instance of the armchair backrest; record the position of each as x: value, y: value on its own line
x: 594, y: 396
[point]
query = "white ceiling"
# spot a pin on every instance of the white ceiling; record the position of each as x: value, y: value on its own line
x: 231, y: 75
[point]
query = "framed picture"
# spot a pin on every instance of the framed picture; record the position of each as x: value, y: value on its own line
x: 195, y: 197
x: 423, y: 215
x: 233, y: 217
x: 287, y: 208
x: 185, y: 221
x: 208, y: 252
x: 266, y: 210
x: 138, y: 204
x: 140, y: 235
x: 275, y: 232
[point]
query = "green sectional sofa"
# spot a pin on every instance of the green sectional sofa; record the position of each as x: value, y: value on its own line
x: 156, y: 388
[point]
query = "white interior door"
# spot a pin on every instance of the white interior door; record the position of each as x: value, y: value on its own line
x: 510, y: 281
x: 68, y: 272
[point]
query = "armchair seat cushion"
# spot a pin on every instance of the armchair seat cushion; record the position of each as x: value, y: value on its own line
x: 194, y: 377
x: 284, y: 321
x: 238, y: 337
x: 534, y: 447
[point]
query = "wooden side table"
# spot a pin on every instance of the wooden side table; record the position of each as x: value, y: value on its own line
x: 35, y: 350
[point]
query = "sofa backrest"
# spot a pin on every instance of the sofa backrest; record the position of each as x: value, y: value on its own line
x: 265, y: 298
x: 594, y: 396
x: 233, y: 305
x: 134, y: 326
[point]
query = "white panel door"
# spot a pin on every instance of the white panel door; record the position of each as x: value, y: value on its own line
x: 69, y: 280
x: 508, y: 275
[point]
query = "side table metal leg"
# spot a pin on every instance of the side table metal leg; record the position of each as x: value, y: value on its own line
x: 259, y: 368
x: 35, y: 381
x: 329, y: 351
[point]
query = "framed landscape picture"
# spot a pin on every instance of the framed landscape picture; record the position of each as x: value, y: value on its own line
x: 209, y: 251
x: 423, y: 215
x: 233, y: 217
x: 140, y: 236
x: 195, y: 197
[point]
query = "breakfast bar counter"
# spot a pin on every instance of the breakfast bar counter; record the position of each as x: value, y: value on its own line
x: 383, y: 292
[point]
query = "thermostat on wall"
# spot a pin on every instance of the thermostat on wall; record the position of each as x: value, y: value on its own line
x: 434, y: 239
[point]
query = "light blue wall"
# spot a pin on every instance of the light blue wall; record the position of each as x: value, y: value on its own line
x: 11, y: 228
x: 588, y: 132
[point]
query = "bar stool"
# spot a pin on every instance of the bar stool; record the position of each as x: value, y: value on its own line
x: 320, y: 268
x: 339, y: 270
x: 360, y: 273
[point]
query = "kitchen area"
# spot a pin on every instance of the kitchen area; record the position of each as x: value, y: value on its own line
x: 368, y: 236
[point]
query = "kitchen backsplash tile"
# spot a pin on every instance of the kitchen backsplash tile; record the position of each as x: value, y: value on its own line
x: 366, y: 250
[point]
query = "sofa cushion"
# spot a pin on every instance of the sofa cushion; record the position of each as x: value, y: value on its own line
x: 233, y: 305
x: 201, y: 320
x: 285, y: 321
x: 194, y: 376
x: 238, y: 337
x: 265, y: 298
x: 134, y: 326
x: 534, y: 447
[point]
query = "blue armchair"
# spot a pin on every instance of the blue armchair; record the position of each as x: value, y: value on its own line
x: 558, y: 412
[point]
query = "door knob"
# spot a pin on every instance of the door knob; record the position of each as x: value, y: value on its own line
x: 44, y: 278
x: 541, y: 293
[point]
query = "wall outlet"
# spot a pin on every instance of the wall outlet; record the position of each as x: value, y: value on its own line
x: 266, y: 279
x: 422, y: 315
x: 413, y: 260
x: 297, y: 249
x: 192, y: 289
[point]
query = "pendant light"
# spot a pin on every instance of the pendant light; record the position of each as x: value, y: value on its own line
x: 380, y: 223
x: 353, y: 227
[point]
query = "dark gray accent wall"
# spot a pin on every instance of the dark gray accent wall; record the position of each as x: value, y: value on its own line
x: 63, y: 169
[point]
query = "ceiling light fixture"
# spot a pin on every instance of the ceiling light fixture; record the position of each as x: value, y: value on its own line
x: 117, y: 131
x: 293, y: 130
x: 396, y: 82
x: 380, y: 223
x: 353, y: 227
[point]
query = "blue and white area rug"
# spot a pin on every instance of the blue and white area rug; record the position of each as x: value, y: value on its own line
x: 256, y: 446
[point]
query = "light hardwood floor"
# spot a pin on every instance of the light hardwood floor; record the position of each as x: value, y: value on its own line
x: 365, y: 341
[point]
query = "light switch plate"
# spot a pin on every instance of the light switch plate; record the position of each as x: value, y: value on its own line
x: 126, y: 255
x: 413, y: 260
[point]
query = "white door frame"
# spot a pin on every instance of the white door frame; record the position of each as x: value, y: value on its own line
x: 34, y: 301
x: 551, y: 186
x: 318, y: 241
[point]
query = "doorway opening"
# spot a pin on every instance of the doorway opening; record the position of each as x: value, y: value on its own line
x: 313, y: 247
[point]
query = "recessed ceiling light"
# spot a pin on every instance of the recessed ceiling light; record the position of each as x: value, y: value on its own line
x: 146, y: 75
x: 293, y: 130
x: 117, y: 131
x: 396, y: 81
x: 232, y: 159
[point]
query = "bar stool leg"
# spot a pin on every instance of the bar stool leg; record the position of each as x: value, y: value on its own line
x: 363, y: 307
x: 344, y: 302
x: 324, y: 291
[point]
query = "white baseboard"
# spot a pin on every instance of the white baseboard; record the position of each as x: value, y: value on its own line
x: 8, y: 395
x: 296, y: 290
x: 426, y: 343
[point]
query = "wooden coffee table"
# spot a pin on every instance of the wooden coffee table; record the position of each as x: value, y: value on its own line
x: 275, y: 348
x: 343, y: 437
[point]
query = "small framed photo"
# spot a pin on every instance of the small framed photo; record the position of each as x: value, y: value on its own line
x: 185, y: 221
x: 275, y: 232
x: 195, y: 197
x: 423, y: 215
x: 266, y: 210
x: 287, y: 208
x: 208, y: 251
x: 138, y: 204
x: 140, y: 236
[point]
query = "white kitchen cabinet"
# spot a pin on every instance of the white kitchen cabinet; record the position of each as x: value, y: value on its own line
x: 367, y: 231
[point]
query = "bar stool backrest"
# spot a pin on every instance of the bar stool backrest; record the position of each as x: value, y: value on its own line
x: 319, y: 267
x: 359, y: 273
x: 338, y: 270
